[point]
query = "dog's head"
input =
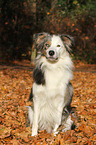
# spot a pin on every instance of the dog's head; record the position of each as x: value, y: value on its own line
x: 51, y: 46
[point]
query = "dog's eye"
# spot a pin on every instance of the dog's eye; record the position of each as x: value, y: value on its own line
x: 47, y: 45
x: 58, y: 45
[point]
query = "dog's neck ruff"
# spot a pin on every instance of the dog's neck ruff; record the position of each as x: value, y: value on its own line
x: 56, y: 75
x: 63, y: 62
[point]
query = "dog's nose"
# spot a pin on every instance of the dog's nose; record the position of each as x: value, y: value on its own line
x: 51, y: 52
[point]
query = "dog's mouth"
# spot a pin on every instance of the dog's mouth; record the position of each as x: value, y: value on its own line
x: 52, y: 59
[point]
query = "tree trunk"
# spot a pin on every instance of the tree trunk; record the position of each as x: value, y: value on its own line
x: 53, y: 4
x: 33, y: 11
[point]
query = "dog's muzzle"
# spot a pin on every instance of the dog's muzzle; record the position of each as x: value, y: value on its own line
x: 51, y: 55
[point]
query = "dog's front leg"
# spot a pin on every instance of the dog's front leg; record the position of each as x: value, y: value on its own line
x: 55, y: 131
x: 35, y: 118
x: 60, y: 109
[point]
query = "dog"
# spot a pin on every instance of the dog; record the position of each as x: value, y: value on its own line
x: 52, y: 90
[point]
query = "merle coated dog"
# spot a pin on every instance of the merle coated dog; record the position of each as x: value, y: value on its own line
x: 52, y: 91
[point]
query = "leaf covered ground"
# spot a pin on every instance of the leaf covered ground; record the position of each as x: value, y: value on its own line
x: 15, y: 84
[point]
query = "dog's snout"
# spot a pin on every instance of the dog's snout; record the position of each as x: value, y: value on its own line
x: 51, y: 52
x: 52, y: 55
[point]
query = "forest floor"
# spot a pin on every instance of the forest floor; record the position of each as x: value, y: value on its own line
x: 15, y: 85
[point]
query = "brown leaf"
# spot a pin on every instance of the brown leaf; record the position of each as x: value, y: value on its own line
x: 15, y: 142
x: 4, y: 131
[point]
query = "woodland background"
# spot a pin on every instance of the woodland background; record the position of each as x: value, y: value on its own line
x: 19, y: 20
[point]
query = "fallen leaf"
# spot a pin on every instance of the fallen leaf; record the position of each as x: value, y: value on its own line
x: 4, y: 131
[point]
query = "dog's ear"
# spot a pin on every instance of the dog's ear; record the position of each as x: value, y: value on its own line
x: 68, y: 41
x: 37, y: 40
x: 39, y: 37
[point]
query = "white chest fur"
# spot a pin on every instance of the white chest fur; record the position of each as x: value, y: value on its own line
x: 55, y: 82
x: 50, y: 97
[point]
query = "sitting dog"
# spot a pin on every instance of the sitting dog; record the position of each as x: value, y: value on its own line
x: 52, y: 91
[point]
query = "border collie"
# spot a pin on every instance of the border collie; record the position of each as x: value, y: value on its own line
x: 52, y: 91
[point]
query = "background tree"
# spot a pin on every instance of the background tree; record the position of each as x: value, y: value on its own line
x: 21, y: 18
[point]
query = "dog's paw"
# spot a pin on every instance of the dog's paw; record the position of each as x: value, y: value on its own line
x: 55, y: 133
x: 66, y: 129
x: 34, y: 132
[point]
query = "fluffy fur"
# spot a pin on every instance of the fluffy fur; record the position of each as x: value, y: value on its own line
x: 52, y: 91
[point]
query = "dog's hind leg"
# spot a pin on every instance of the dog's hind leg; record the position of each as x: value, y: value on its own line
x: 29, y: 115
x: 68, y: 124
